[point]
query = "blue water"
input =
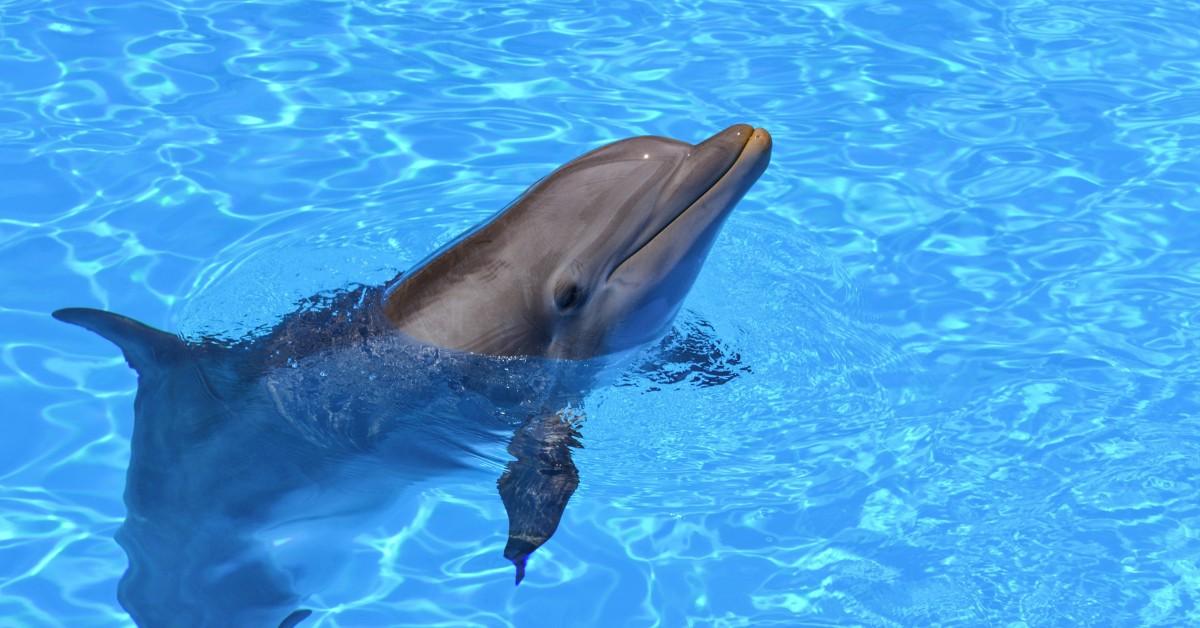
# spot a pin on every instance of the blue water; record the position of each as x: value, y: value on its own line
x: 964, y: 295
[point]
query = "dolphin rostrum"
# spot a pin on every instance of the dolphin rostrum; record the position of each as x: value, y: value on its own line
x: 501, y: 332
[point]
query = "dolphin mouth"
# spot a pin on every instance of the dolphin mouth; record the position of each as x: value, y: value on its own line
x: 745, y: 136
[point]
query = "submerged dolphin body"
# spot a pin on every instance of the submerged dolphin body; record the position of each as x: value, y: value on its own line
x: 498, y: 335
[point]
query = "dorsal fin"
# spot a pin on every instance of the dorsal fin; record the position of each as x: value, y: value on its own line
x: 143, y: 345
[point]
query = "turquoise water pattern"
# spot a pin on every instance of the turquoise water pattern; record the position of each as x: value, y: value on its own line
x: 964, y: 295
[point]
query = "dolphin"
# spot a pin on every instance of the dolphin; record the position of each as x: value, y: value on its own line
x: 497, y: 335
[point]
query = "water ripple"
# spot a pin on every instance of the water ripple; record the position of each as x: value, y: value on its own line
x: 962, y: 300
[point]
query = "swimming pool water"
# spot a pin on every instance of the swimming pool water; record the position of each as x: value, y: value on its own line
x: 963, y: 299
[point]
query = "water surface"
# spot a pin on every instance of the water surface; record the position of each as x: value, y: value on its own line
x: 964, y: 296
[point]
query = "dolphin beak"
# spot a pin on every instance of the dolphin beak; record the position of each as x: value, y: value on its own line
x: 731, y: 140
x: 748, y: 150
x: 704, y: 165
x: 755, y: 155
x: 715, y: 176
x: 751, y: 149
x: 730, y: 157
x: 752, y: 156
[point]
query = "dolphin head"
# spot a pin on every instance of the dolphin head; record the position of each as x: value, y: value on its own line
x: 593, y: 259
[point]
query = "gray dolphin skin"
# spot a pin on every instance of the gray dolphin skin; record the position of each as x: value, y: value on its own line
x: 242, y: 450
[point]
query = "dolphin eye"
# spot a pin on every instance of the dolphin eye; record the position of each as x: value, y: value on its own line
x: 568, y: 297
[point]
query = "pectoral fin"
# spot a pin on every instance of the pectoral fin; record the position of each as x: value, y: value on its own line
x: 293, y: 620
x: 536, y: 486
